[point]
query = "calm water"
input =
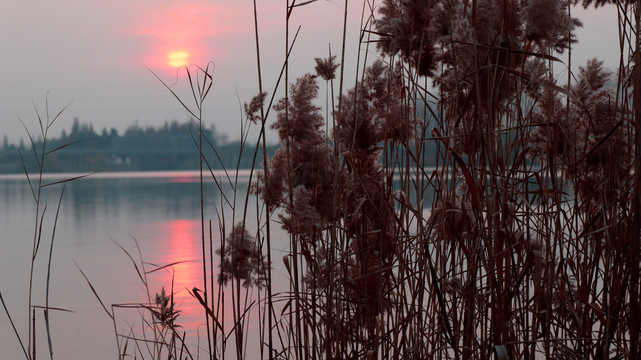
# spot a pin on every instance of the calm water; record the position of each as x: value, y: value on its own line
x: 160, y: 210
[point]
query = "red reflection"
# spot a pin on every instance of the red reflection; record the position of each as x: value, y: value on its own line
x: 183, y: 237
x: 181, y: 246
x: 183, y: 179
x: 182, y: 242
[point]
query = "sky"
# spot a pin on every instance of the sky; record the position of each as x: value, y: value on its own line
x: 101, y: 57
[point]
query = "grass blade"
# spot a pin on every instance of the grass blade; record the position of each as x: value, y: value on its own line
x: 15, y: 331
x: 94, y: 291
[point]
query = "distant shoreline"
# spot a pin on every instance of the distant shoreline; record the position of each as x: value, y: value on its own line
x: 243, y: 173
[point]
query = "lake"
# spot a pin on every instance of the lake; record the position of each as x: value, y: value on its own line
x: 160, y: 210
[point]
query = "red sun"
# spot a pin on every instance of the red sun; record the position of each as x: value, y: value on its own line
x: 176, y: 59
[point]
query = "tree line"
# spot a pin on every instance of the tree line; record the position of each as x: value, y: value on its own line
x: 171, y: 146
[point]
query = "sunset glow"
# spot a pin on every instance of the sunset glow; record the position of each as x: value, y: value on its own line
x: 181, y: 35
x: 178, y: 58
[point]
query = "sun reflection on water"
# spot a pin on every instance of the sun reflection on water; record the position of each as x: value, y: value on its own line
x: 185, y: 271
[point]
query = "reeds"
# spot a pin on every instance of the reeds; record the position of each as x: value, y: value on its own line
x: 520, y: 242
x: 41, y: 152
x: 530, y: 247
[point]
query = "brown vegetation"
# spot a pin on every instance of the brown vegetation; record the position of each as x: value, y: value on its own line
x: 531, y: 245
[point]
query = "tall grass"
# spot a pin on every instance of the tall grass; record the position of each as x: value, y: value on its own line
x: 521, y: 242
x: 530, y: 247
x: 44, y: 229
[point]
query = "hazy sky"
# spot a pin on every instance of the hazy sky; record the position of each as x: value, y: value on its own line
x: 93, y: 54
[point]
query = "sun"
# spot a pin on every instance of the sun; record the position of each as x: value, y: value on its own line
x: 177, y: 59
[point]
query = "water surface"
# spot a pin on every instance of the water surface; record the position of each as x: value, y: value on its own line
x: 158, y: 212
